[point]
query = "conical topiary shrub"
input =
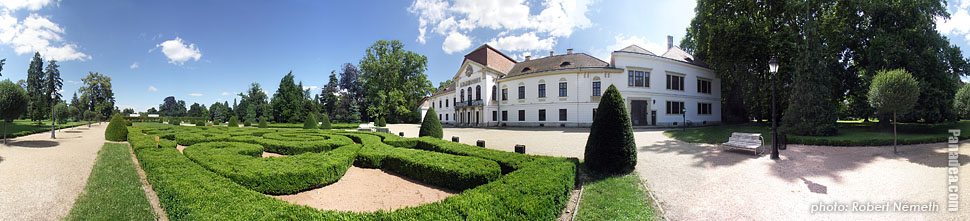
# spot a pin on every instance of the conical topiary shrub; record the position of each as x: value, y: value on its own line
x: 117, y: 130
x: 610, y: 148
x: 262, y: 122
x: 326, y: 122
x: 311, y: 122
x: 233, y: 122
x: 430, y: 126
x: 380, y: 122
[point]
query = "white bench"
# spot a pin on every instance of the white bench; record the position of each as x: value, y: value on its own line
x: 747, y: 141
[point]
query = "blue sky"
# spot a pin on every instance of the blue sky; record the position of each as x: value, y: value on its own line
x: 208, y: 51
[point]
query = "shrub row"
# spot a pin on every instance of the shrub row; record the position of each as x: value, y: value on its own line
x: 537, y: 190
x: 451, y: 171
x: 241, y: 162
x: 508, y: 160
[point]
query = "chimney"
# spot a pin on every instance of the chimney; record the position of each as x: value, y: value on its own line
x: 569, y: 51
x: 528, y: 57
x: 551, y: 53
x: 670, y: 42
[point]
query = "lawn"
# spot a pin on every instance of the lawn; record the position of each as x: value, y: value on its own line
x: 851, y: 133
x: 616, y: 198
x: 26, y: 127
x: 113, y: 191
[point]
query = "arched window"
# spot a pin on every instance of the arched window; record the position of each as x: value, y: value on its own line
x: 469, y: 93
x: 462, y: 95
x: 493, y: 93
x: 596, y: 86
x: 478, y: 92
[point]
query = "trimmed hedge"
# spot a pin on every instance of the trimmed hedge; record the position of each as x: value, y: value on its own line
x: 233, y: 122
x: 509, y: 161
x: 262, y: 122
x: 310, y: 122
x: 380, y: 122
x: 117, y: 130
x: 431, y: 126
x: 326, y: 123
x: 247, y: 123
x: 610, y: 147
x: 537, y: 189
x: 241, y: 163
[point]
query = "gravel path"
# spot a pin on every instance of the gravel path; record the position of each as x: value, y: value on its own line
x: 368, y: 190
x: 701, y: 182
x: 40, y: 178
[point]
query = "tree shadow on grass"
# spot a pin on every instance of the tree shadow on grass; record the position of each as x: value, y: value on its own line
x: 34, y: 143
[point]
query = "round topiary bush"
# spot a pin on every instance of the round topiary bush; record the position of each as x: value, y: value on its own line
x: 326, y: 123
x: 610, y: 148
x: 247, y: 123
x: 430, y: 126
x: 262, y: 122
x: 311, y: 122
x: 199, y: 123
x: 233, y: 122
x: 215, y: 122
x: 116, y: 131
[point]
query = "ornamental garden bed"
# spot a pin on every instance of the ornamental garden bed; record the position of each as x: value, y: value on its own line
x: 221, y: 174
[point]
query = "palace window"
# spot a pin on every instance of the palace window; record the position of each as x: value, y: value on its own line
x: 596, y: 88
x: 469, y: 93
x: 542, y: 114
x: 562, y: 114
x: 521, y: 92
x: 675, y: 82
x: 505, y: 115
x: 638, y: 78
x: 630, y: 79
x: 562, y: 89
x: 542, y: 90
x: 478, y: 93
x: 675, y: 107
x: 462, y: 95
x: 494, y: 115
x: 704, y: 108
x: 505, y: 94
x: 493, y: 93
x: 521, y: 115
x: 703, y: 86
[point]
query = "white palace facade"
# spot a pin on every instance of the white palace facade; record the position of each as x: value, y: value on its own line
x: 491, y: 89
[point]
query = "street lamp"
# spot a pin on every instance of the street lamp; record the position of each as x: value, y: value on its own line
x: 773, y: 68
x: 683, y: 111
x: 53, y: 96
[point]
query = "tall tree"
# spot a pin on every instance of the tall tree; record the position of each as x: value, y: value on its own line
x: 195, y: 110
x: 52, y: 86
x: 13, y: 102
x: 329, y: 96
x: 75, y: 103
x: 443, y: 84
x: 37, y: 107
x: 287, y: 101
x: 351, y: 96
x: 2, y: 62
x: 96, y: 94
x: 393, y: 80
x: 171, y: 107
x: 811, y: 111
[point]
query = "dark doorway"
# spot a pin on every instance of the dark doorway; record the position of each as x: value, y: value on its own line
x: 638, y: 112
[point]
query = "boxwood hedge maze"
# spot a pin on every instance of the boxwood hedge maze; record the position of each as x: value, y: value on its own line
x: 222, y: 176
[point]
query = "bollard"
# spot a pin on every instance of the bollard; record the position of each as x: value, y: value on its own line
x: 454, y: 139
x: 480, y: 143
x: 400, y: 134
x: 519, y: 148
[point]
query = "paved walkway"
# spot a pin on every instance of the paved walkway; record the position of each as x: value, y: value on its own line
x: 40, y: 178
x: 701, y: 182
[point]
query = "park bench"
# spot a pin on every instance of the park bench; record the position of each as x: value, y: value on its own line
x: 747, y: 141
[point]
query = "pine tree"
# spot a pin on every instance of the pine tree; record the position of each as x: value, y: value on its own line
x: 37, y: 108
x: 811, y: 110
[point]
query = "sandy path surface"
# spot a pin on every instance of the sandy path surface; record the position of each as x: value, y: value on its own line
x: 701, y: 182
x: 40, y: 178
x: 366, y: 190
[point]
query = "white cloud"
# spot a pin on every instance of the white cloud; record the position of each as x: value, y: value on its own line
x: 224, y: 93
x: 455, y: 19
x: 133, y: 65
x: 32, y: 5
x: 152, y: 88
x: 621, y: 41
x: 525, y: 42
x: 310, y: 87
x: 177, y: 52
x: 37, y: 34
x: 73, y: 82
x: 959, y: 22
x: 195, y: 94
x: 456, y: 42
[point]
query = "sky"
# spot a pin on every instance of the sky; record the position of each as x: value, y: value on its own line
x: 209, y: 51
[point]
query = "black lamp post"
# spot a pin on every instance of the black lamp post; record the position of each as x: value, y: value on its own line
x: 773, y: 68
x: 53, y: 96
x: 683, y: 111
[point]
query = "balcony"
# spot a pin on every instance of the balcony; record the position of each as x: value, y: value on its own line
x: 474, y: 103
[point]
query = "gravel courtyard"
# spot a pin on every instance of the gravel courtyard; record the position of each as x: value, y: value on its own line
x: 40, y: 178
x: 701, y: 182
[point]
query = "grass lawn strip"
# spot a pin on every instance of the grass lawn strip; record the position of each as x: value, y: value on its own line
x: 616, y: 198
x: 113, y: 190
x: 21, y: 128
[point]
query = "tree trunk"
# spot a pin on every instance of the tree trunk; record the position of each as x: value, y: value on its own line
x: 894, y: 132
x: 4, y: 132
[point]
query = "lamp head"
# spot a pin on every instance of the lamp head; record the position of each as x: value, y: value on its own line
x: 773, y: 65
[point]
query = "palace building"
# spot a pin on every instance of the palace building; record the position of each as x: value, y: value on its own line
x: 492, y: 89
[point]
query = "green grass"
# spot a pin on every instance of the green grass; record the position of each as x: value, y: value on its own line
x: 26, y: 127
x: 616, y: 198
x: 113, y: 191
x: 851, y: 133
